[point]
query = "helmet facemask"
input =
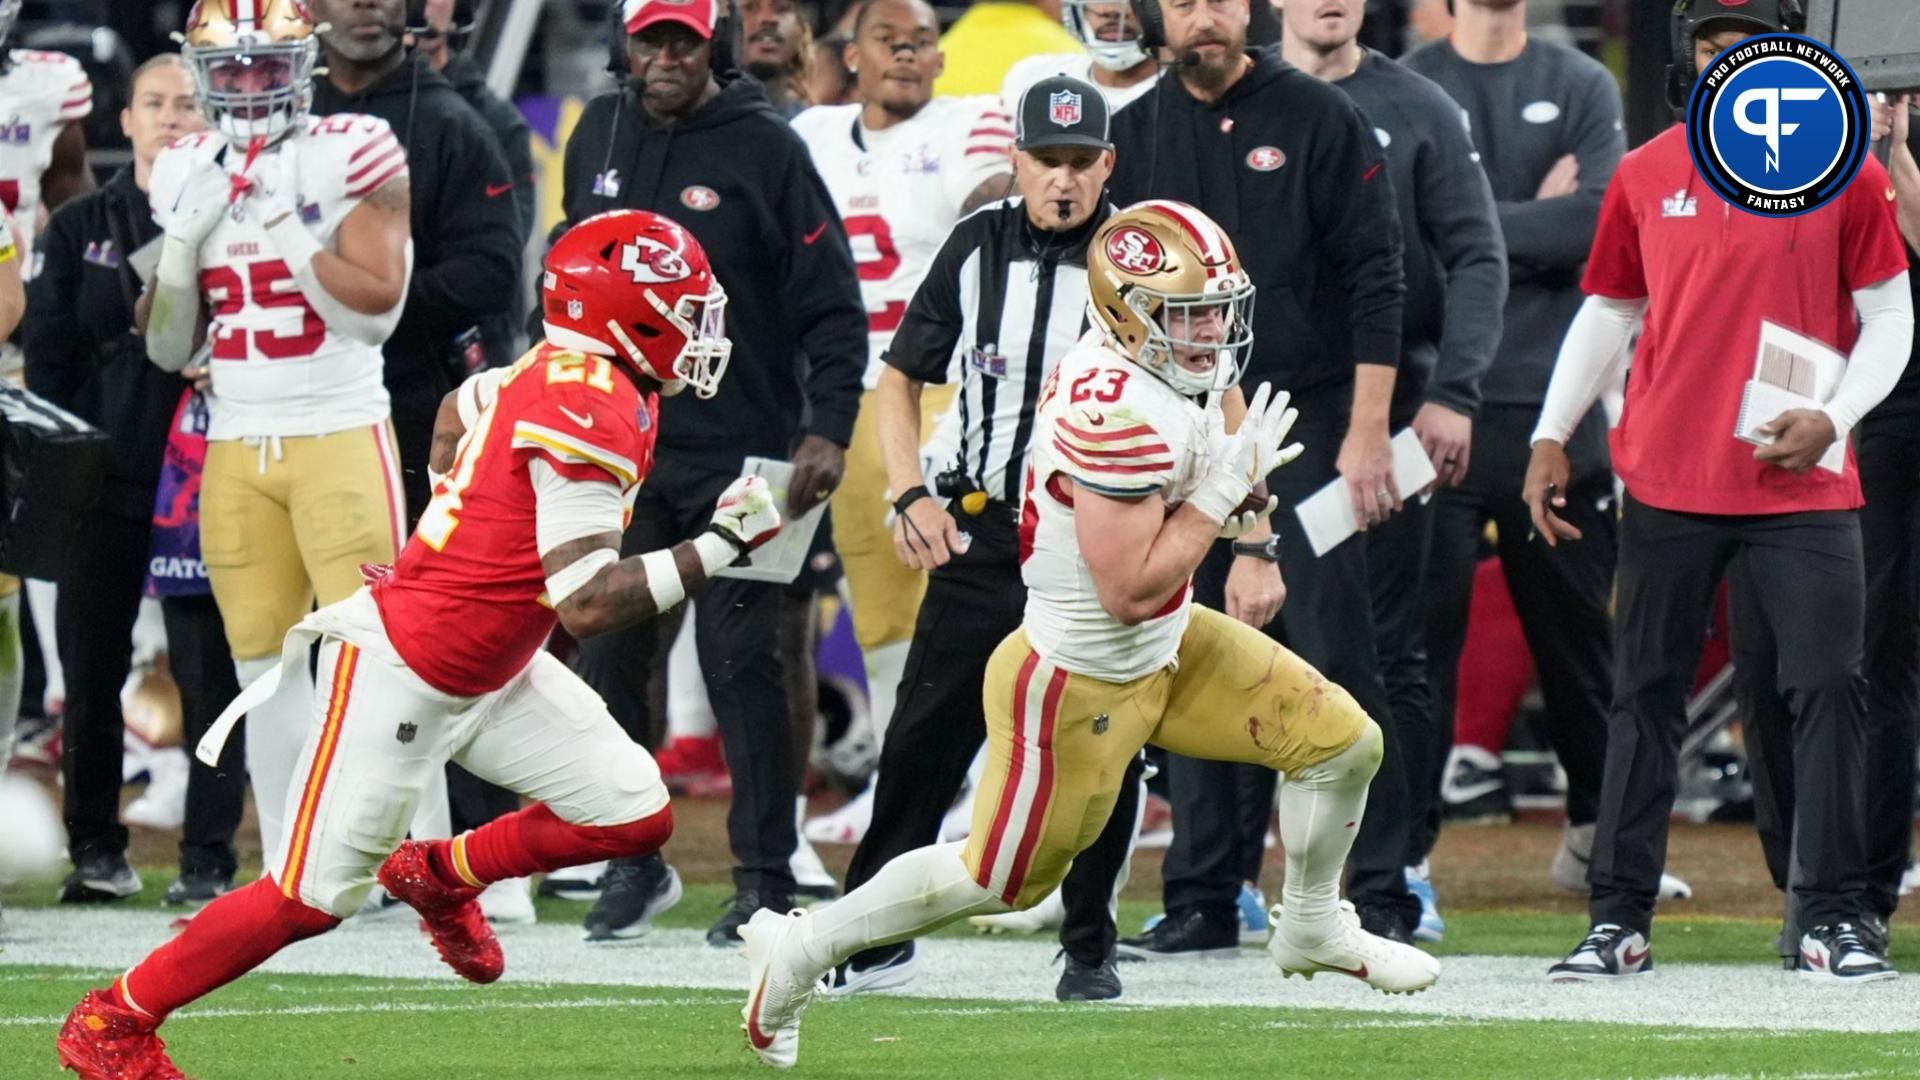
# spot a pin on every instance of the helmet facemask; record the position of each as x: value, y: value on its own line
x: 1219, y: 320
x: 702, y: 322
x: 1115, y: 54
x: 254, y: 90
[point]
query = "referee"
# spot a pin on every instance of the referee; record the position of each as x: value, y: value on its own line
x: 1007, y: 297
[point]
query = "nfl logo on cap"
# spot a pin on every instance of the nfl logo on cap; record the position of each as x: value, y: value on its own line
x: 1064, y: 108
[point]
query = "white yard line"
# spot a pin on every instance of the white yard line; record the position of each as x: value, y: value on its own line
x: 1021, y: 970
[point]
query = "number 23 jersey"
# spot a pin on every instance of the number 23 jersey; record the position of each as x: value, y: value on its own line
x: 900, y: 190
x: 277, y: 367
x: 1108, y: 425
x: 466, y: 603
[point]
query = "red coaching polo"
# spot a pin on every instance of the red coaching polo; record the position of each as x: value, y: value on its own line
x: 1712, y: 273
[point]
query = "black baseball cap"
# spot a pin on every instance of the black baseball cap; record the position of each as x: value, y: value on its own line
x: 1062, y: 111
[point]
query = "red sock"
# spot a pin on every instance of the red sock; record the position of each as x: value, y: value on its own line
x: 1495, y: 665
x: 534, y: 840
x: 228, y: 938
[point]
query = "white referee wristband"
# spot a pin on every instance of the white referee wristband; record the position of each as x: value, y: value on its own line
x: 296, y: 245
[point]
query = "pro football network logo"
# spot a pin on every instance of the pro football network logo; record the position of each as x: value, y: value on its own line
x: 1778, y: 125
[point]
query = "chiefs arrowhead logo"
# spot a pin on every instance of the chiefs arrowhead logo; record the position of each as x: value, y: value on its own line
x: 1134, y: 250
x: 652, y: 262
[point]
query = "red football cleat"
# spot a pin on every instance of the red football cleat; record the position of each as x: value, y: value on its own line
x: 451, y: 914
x: 102, y: 1040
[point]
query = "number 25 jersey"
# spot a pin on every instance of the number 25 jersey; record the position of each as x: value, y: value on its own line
x: 277, y: 367
x: 1107, y: 425
x: 466, y: 603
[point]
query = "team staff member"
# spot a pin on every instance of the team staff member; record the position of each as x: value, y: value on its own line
x: 1888, y: 450
x: 1546, y: 120
x: 1007, y: 294
x: 1456, y: 266
x: 670, y: 140
x: 1701, y: 503
x: 466, y: 238
x: 84, y: 355
x: 1289, y: 168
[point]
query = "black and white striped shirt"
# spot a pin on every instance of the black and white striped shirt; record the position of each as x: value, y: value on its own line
x: 1002, y: 302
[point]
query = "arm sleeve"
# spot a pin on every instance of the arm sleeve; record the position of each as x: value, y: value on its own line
x: 822, y: 291
x: 923, y: 344
x: 1879, y: 356
x: 467, y: 268
x: 1554, y: 233
x: 1455, y: 205
x: 1359, y: 229
x: 50, y: 332
x: 1124, y: 460
x: 1595, y: 345
x: 566, y: 509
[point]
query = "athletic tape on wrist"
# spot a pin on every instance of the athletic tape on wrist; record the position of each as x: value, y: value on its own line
x: 716, y: 552
x: 663, y: 579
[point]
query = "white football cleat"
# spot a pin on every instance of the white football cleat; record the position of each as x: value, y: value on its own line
x: 1046, y: 915
x: 1387, y: 966
x: 1569, y: 870
x: 508, y: 902
x: 847, y: 825
x: 777, y: 995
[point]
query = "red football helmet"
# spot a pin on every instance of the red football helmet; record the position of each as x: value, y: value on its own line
x: 634, y: 285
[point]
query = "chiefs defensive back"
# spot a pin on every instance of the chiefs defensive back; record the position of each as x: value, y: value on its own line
x: 440, y: 658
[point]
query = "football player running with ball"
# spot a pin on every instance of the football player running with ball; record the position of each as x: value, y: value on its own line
x: 1144, y: 454
x: 440, y: 657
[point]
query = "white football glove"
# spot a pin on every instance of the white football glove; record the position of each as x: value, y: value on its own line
x: 747, y: 514
x: 197, y: 210
x: 1238, y: 461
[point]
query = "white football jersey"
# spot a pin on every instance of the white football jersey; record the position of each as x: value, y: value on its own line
x: 1026, y: 72
x: 40, y: 94
x: 899, y: 191
x: 277, y: 368
x: 1107, y: 424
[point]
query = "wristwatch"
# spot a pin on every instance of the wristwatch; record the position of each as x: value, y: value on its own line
x: 1268, y: 549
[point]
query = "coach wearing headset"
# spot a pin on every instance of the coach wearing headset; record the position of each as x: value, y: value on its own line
x: 689, y: 138
x: 1701, y: 503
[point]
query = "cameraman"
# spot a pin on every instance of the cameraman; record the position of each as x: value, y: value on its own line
x: 83, y: 356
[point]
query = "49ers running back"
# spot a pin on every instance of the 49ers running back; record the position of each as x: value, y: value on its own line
x: 1132, y: 478
x: 439, y: 658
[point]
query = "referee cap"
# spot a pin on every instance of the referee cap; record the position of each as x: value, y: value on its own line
x: 1062, y: 111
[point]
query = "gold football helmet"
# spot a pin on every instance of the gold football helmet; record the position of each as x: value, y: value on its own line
x: 1164, y: 282
x: 252, y: 64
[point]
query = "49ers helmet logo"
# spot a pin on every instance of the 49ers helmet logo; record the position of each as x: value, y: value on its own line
x: 1135, y: 250
x: 652, y: 262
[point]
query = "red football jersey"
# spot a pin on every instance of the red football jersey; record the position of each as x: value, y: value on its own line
x: 466, y: 604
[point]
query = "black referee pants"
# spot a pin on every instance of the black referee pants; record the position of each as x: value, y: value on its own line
x: 736, y: 625
x: 939, y: 722
x: 1562, y: 595
x: 1797, y: 594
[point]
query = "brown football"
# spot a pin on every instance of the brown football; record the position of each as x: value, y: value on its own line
x: 1255, y: 500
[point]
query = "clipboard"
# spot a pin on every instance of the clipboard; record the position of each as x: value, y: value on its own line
x: 780, y: 559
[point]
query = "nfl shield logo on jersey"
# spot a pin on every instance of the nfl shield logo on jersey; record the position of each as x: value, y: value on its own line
x: 1064, y: 108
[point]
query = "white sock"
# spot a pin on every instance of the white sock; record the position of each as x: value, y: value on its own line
x: 1320, y: 810
x: 885, y: 665
x: 275, y: 733
x: 914, y: 894
x: 11, y: 674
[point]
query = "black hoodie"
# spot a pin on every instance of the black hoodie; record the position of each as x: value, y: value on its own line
x: 738, y: 178
x: 500, y: 332
x: 1290, y: 169
x: 466, y: 251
